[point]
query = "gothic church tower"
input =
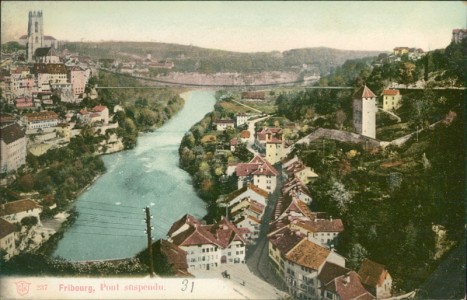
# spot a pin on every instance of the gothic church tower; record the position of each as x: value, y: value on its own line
x: 364, y: 112
x: 35, y: 33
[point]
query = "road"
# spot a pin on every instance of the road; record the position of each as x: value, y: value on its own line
x: 257, y: 256
x: 251, y: 129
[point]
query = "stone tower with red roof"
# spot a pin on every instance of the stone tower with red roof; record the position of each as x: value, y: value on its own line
x: 364, y: 112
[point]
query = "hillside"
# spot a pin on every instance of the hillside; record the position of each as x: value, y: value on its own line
x: 195, y: 59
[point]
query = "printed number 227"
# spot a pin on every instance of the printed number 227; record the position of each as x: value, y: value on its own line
x: 185, y: 283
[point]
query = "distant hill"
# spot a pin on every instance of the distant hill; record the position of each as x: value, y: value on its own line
x: 195, y: 59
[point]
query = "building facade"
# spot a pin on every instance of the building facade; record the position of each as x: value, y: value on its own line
x: 12, y: 148
x: 391, y: 99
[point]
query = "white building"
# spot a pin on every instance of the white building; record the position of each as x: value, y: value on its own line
x: 222, y: 125
x: 208, y: 246
x: 103, y: 113
x: 12, y: 148
x: 241, y: 118
x: 391, y: 99
x: 259, y: 172
x: 16, y: 211
x: 43, y: 119
x: 78, y: 79
x: 249, y: 191
x: 364, y: 112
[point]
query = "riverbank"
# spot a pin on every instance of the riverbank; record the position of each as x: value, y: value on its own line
x: 132, y: 176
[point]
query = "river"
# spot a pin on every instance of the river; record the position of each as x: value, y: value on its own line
x: 111, y: 223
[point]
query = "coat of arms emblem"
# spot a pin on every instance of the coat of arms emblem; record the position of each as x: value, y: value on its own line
x: 22, y: 287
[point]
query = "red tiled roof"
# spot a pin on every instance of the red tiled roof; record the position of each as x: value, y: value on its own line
x: 321, y: 225
x: 99, y: 108
x: 186, y: 219
x: 348, y: 287
x: 331, y: 271
x: 286, y: 239
x: 372, y: 273
x: 391, y: 92
x: 245, y: 169
x: 6, y: 228
x: 364, y: 92
x: 11, y: 133
x: 245, y: 134
x: 175, y: 256
x: 18, y: 206
x: 266, y: 169
x: 194, y: 235
x: 225, y: 232
x: 308, y: 254
x: 253, y: 95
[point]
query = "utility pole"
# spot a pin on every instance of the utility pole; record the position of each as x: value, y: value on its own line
x: 148, y: 232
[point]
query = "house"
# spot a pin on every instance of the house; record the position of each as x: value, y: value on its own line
x: 303, y: 264
x: 295, y: 168
x: 391, y: 99
x: 345, y: 287
x: 233, y: 144
x: 248, y: 214
x: 279, y: 244
x: 24, y: 103
x: 222, y: 125
x: 267, y: 135
x: 249, y: 191
x: 375, y: 278
x: 43, y: 119
x: 297, y: 190
x: 174, y: 256
x: 458, y: 35
x: 253, y: 95
x: 47, y: 74
x: 12, y: 148
x: 364, y: 112
x: 399, y: 51
x: 245, y: 136
x: 275, y: 150
x: 208, y: 246
x: 299, y: 261
x: 16, y: 211
x: 7, y: 238
x: 102, y: 113
x: 241, y: 118
x: 259, y: 172
x: 316, y: 226
x: 78, y: 79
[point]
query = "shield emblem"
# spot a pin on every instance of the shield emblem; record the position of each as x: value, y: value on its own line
x: 22, y: 287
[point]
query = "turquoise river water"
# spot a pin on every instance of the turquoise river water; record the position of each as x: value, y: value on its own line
x: 111, y: 217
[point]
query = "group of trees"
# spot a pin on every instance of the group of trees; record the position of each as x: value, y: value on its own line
x: 389, y: 200
x: 195, y: 59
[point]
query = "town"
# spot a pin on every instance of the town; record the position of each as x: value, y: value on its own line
x: 301, y: 180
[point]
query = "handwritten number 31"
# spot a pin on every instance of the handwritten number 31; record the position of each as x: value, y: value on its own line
x: 185, y: 283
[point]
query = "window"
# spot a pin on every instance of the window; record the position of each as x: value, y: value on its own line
x: 36, y: 27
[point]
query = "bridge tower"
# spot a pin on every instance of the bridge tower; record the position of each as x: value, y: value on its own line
x: 35, y: 33
x: 364, y: 112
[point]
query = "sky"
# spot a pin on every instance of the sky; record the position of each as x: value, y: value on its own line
x: 246, y: 26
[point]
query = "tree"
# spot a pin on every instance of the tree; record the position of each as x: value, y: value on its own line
x: 340, y: 118
x: 356, y: 255
x: 242, y: 152
x: 26, y: 182
x: 340, y: 196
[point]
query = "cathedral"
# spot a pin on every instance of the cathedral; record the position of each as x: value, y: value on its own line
x: 35, y: 38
